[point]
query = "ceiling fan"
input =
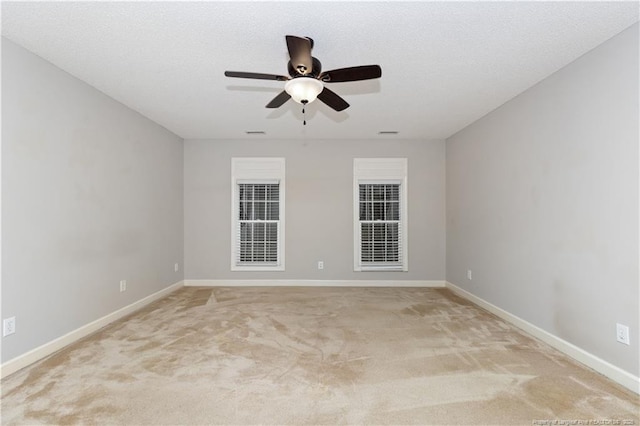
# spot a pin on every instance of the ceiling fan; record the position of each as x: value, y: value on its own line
x: 306, y: 78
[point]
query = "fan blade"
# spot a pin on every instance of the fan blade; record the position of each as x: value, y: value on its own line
x: 363, y: 72
x: 333, y: 100
x: 257, y: 76
x: 300, y: 54
x: 279, y: 100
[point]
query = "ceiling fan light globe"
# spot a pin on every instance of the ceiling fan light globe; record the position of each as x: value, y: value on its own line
x: 303, y: 89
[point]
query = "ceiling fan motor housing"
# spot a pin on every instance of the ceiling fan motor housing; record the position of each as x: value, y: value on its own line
x: 301, y: 69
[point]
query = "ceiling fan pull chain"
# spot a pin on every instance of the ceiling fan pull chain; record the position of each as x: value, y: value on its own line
x: 304, y: 121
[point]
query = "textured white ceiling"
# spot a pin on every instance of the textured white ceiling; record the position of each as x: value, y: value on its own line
x: 444, y: 64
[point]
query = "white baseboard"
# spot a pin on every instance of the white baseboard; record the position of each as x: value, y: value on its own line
x: 314, y: 283
x: 47, y: 349
x: 603, y: 367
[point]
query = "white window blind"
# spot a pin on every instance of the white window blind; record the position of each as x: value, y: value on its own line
x: 380, y: 216
x: 380, y: 224
x: 258, y: 222
x: 257, y: 214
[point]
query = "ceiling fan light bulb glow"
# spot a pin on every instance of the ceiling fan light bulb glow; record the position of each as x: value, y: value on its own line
x: 303, y: 89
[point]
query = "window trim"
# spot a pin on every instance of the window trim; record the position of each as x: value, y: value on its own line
x: 262, y: 170
x: 380, y: 171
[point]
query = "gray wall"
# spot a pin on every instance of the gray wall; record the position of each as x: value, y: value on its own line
x: 319, y: 207
x: 91, y: 194
x: 542, y: 203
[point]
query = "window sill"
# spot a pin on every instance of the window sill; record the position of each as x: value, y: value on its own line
x: 381, y: 269
x: 257, y: 268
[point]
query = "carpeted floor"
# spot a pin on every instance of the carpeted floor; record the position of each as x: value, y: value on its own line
x: 307, y: 356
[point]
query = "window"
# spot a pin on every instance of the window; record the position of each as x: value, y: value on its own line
x: 257, y: 214
x: 380, y: 218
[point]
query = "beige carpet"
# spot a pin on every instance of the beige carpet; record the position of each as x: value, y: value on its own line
x: 312, y: 356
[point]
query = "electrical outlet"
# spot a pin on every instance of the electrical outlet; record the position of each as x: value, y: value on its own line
x: 320, y: 264
x: 8, y: 326
x: 622, y: 334
x: 176, y: 267
x: 123, y: 285
x: 469, y: 274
